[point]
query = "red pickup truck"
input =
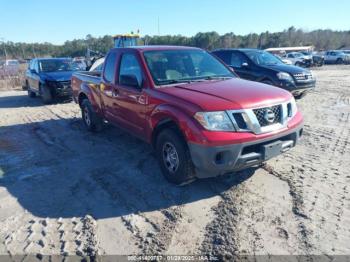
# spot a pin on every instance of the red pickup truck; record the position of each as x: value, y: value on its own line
x: 202, y: 120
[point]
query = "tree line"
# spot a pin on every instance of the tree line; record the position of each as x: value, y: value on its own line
x: 321, y: 39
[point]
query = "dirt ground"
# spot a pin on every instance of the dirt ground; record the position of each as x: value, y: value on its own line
x: 66, y: 191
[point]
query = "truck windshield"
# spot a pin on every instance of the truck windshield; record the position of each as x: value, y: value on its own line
x: 54, y: 65
x: 263, y: 58
x: 173, y: 66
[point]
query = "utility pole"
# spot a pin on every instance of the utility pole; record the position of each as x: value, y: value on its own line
x: 158, y: 27
x: 23, y: 52
x: 33, y: 51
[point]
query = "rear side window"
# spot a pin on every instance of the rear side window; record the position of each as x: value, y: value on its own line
x: 109, y: 71
x: 36, y: 66
x: 130, y: 66
x: 224, y: 56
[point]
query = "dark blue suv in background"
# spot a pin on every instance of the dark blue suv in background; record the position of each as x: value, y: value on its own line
x: 49, y: 78
x: 261, y: 66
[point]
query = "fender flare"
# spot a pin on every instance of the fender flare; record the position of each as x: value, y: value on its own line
x: 85, y: 90
x: 164, y: 114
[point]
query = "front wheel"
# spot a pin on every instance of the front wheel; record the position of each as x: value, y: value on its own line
x: 31, y: 94
x: 300, y: 96
x: 46, y: 95
x: 91, y: 120
x: 340, y: 61
x: 174, y: 157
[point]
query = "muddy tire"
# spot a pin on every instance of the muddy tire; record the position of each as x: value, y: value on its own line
x: 174, y: 157
x: 339, y: 61
x: 25, y: 87
x: 300, y: 96
x: 92, y: 121
x: 31, y: 94
x: 46, y: 94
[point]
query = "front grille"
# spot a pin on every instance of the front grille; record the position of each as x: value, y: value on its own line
x: 264, y: 115
x: 302, y: 77
x: 65, y: 84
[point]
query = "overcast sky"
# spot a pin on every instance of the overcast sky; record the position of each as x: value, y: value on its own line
x: 57, y: 21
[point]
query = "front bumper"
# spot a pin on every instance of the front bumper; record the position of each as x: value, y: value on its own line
x: 63, y: 91
x: 211, y: 161
x: 298, y: 86
x: 60, y: 89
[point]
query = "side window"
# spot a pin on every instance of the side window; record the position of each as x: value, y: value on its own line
x: 109, y: 71
x: 31, y: 65
x: 224, y: 56
x: 99, y: 68
x: 36, y: 66
x: 237, y: 60
x: 130, y: 66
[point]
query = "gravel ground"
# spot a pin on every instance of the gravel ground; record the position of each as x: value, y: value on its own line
x: 66, y: 191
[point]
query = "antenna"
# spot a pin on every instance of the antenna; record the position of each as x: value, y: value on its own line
x: 158, y: 27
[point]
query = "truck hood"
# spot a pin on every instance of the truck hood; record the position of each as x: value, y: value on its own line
x: 229, y: 94
x: 57, y: 76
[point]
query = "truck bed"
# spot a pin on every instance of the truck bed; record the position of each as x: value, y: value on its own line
x: 85, y: 76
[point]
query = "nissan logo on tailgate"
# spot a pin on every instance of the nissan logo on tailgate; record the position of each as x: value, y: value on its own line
x: 269, y: 116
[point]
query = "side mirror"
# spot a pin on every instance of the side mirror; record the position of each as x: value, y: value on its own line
x: 245, y: 64
x: 129, y: 80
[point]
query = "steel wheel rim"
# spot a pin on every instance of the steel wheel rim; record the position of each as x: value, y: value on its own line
x: 87, y: 116
x: 170, y: 157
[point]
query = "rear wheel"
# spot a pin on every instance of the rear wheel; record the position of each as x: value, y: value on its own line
x: 340, y: 61
x: 31, y: 94
x: 174, y: 157
x: 25, y: 86
x: 91, y: 120
x: 46, y: 95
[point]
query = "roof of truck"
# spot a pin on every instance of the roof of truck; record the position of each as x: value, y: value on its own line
x: 160, y: 47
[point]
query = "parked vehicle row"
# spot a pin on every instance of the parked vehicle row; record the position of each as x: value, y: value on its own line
x: 336, y: 57
x: 9, y: 67
x: 307, y: 59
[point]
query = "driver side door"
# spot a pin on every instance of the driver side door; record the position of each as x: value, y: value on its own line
x: 131, y: 97
x: 34, y: 78
x: 242, y: 66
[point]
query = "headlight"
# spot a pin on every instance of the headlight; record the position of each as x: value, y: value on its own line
x: 284, y: 76
x: 292, y: 109
x: 312, y: 74
x: 215, y: 121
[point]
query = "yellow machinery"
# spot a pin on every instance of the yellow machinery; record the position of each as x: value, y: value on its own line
x: 125, y: 40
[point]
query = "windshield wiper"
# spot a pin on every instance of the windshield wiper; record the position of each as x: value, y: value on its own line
x: 217, y: 77
x: 174, y: 81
